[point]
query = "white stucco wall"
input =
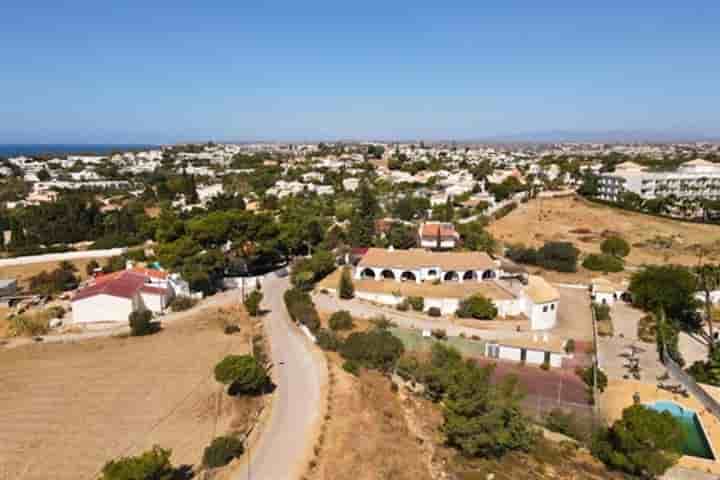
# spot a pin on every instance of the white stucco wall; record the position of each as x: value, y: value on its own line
x: 102, y: 308
x: 509, y: 353
x: 543, y: 316
x: 534, y: 357
x: 153, y: 302
x: 607, y: 298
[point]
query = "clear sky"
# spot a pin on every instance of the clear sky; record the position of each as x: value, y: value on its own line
x: 159, y: 71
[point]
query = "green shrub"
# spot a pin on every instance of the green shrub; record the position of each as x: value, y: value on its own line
x: 243, y: 373
x: 182, y: 303
x: 417, y: 303
x: 328, y: 340
x: 221, y: 451
x: 381, y: 322
x: 439, y: 333
x: 570, y: 346
x: 615, y: 246
x: 252, y: 303
x: 403, y: 306
x: 567, y: 424
x: 301, y: 308
x: 603, y: 263
x: 545, y: 365
x: 140, y: 323
x: 377, y: 349
x: 341, y: 320
x: 434, y: 312
x: 351, y: 367
x: 346, y: 287
x: 477, y: 306
x: 602, y: 311
x: 151, y: 465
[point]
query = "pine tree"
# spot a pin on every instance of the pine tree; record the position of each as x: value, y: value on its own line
x: 347, y: 289
x: 362, y: 223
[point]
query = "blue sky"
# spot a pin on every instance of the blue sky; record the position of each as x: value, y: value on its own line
x: 157, y: 71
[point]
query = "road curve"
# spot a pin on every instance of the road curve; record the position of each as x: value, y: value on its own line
x: 300, y: 373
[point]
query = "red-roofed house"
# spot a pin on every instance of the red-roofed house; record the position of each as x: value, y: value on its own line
x: 111, y: 298
x: 438, y: 235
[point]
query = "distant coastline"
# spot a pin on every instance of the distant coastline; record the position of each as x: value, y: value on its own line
x: 9, y: 150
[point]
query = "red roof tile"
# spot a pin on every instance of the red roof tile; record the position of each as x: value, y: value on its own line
x: 125, y: 284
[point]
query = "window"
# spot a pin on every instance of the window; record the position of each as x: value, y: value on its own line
x: 552, y: 306
x: 544, y: 308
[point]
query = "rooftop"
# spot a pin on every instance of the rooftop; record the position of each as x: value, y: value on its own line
x: 541, y: 291
x: 418, y: 258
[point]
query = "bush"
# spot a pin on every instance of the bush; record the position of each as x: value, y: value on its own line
x: 477, y: 306
x: 29, y: 325
x: 403, y: 306
x: 182, y: 303
x: 91, y: 266
x: 602, y: 311
x: 140, y: 323
x: 417, y: 303
x: 346, y: 288
x: 434, y: 312
x: 328, y: 340
x: 243, y: 373
x: 567, y: 424
x: 252, y: 303
x: 570, y: 346
x: 151, y: 465
x: 643, y: 442
x: 381, y: 322
x: 351, y: 367
x: 341, y: 320
x: 603, y: 263
x: 221, y: 451
x: 615, y: 246
x: 545, y: 365
x: 301, y: 308
x: 559, y: 256
x: 377, y: 349
x: 439, y: 333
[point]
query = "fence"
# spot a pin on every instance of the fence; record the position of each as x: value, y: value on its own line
x: 690, y: 384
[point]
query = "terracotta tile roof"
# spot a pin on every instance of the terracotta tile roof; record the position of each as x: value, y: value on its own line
x: 432, y: 230
x: 541, y: 291
x: 159, y: 274
x: 418, y: 258
x: 124, y: 284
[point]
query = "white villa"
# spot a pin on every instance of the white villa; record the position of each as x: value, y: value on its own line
x: 444, y: 279
x: 419, y: 265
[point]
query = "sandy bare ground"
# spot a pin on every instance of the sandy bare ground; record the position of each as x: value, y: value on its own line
x: 584, y: 223
x: 23, y: 273
x: 66, y: 409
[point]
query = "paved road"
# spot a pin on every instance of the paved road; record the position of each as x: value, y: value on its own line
x: 282, y: 449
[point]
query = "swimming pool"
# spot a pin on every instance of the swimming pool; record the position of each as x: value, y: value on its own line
x: 696, y: 443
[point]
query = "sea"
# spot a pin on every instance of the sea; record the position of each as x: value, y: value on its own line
x: 11, y: 150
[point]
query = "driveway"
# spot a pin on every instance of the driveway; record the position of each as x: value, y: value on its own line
x: 300, y: 374
x: 612, y: 350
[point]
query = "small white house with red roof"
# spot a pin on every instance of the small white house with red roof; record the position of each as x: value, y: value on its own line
x: 438, y: 235
x: 112, y: 298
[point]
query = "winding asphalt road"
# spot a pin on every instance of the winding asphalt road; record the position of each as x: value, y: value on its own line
x: 299, y: 372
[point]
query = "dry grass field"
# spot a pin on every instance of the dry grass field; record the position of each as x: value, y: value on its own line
x: 654, y: 240
x: 367, y: 435
x: 23, y: 272
x: 66, y: 409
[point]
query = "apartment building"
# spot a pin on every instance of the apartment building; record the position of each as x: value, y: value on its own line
x: 695, y: 179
